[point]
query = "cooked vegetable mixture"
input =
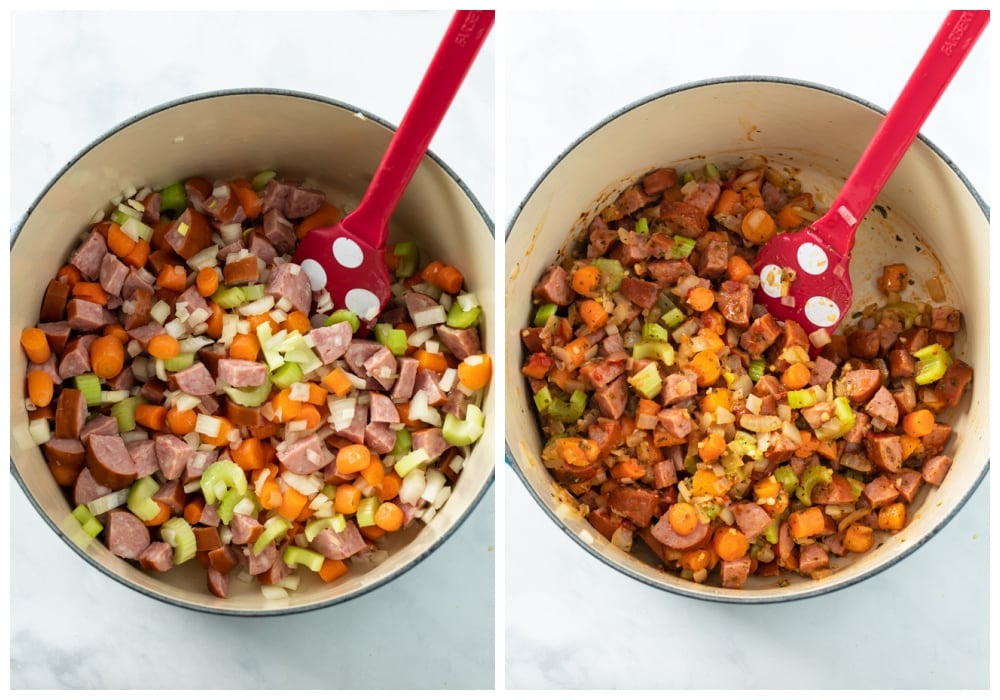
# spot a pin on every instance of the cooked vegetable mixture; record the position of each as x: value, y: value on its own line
x: 677, y: 410
x: 199, y: 401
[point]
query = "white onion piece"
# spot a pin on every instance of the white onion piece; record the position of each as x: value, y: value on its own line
x: 420, y: 409
x: 231, y: 232
x: 244, y: 507
x: 208, y: 425
x: 108, y: 501
x: 207, y: 257
x: 306, y: 484
x: 442, y: 498
x: 467, y: 301
x: 273, y: 592
x: 341, y: 412
x: 176, y: 328
x: 194, y: 343
x: 419, y: 337
x: 432, y: 316
x: 412, y: 486
x: 434, y: 481
x: 39, y: 430
x: 290, y: 582
x: 448, y: 379
x: 134, y: 436
x: 260, y: 306
x: 160, y: 312
x: 432, y: 346
x: 428, y: 515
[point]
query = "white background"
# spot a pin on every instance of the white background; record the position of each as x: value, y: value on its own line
x: 574, y: 622
x: 73, y: 78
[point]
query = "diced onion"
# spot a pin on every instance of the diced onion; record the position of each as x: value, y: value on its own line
x: 108, y: 501
x: 246, y: 506
x: 434, y: 481
x: 448, y: 379
x: 299, y: 391
x: 341, y: 412
x: 284, y: 304
x: 419, y: 337
x: 467, y: 301
x: 194, y: 343
x: 273, y: 592
x: 428, y: 515
x: 208, y: 426
x: 207, y: 257
x: 260, y: 306
x: 187, y: 402
x: 176, y: 328
x: 161, y: 371
x: 819, y: 338
x: 304, y: 484
x: 229, y: 328
x: 431, y: 316
x: 39, y: 430
x: 412, y: 487
x: 754, y: 403
x: 231, y: 232
x: 441, y: 498
x: 160, y: 312
x: 420, y: 409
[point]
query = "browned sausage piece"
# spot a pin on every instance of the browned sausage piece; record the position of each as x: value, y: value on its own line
x: 936, y: 469
x: 734, y: 573
x: 885, y: 450
x: 279, y: 570
x: 158, y: 556
x: 245, y: 529
x: 640, y: 292
x: 858, y: 385
x: 604, y: 522
x: 553, y: 288
x: 946, y: 318
x: 54, y: 302
x: 65, y: 452
x: 638, y: 505
x: 71, y: 413
x: 207, y: 538
x: 666, y: 534
x: 98, y: 425
x: 172, y: 494
x: 242, y: 271
x: 658, y: 181
x: 907, y: 482
x: 812, y: 557
x: 223, y: 559
x: 139, y: 306
x: 838, y: 491
x: 125, y: 535
x: 786, y: 548
x: 954, y: 382
x: 109, y: 461
x: 751, y: 519
x: 760, y: 335
x: 880, y: 492
x: 864, y: 344
x: 86, y: 489
x: 933, y: 443
x: 189, y: 233
x: 243, y: 415
x: 883, y: 406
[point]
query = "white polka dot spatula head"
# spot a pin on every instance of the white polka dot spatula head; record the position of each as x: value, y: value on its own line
x: 348, y: 258
x: 805, y: 275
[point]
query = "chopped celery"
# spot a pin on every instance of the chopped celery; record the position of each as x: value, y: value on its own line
x: 250, y: 397
x: 813, y: 475
x: 571, y: 411
x: 261, y: 179
x: 89, y: 385
x: 457, y: 318
x: 642, y: 226
x: 91, y: 525
x: 612, y: 273
x: 293, y: 556
x: 543, y: 314
x: 227, y: 504
x: 286, y: 375
x: 673, y: 318
x: 136, y: 229
x: 140, y: 498
x: 687, y: 177
x: 412, y: 460
x: 180, y: 361
x: 274, y: 529
x: 660, y: 350
x: 124, y: 413
x: 682, y: 247
x: 406, y: 252
x: 178, y: 534
x: 771, y: 531
x: 315, y: 526
x: 393, y: 338
x: 220, y: 477
x: 801, y: 398
x: 786, y: 477
x: 173, y: 197
x: 119, y: 217
x: 756, y: 369
x: 543, y: 399
x: 712, y: 171
x: 229, y: 297
x: 857, y: 487
x: 840, y: 424
x: 646, y: 381
x: 366, y: 511
x: 464, y: 432
x: 654, y: 331
x: 404, y: 442
x: 344, y: 315
x: 253, y: 292
x: 711, y: 509
x: 743, y: 445
x: 934, y: 362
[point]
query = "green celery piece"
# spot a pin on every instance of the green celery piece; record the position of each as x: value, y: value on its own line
x: 712, y: 171
x: 543, y: 314
x: 682, y: 247
x: 227, y: 505
x: 274, y: 529
x: 136, y: 229
x: 180, y: 361
x: 221, y: 476
x: 756, y: 369
x: 91, y: 525
x: 801, y: 398
x: 140, y: 500
x: 569, y: 411
x: 392, y: 338
x: 743, y: 445
x: 344, y: 315
x: 229, y: 297
x: 543, y: 399
x: 253, y: 292
x: 408, y: 258
x: 173, y: 197
x: 642, y: 226
x: 89, y: 385
x: 771, y: 531
x: 813, y: 475
x: 463, y: 432
x: 711, y: 509
x: 412, y: 460
x: 366, y: 510
x: 857, y: 487
x: 646, y: 381
x: 660, y: 350
x: 315, y: 526
x: 404, y: 443
x: 286, y: 375
x: 457, y: 318
x: 293, y: 556
x: 687, y: 177
x: 654, y: 331
x: 786, y: 477
x: 934, y: 362
x: 119, y: 217
x: 124, y: 413
x: 841, y: 423
x: 249, y: 397
x: 261, y: 179
x: 179, y: 532
x: 673, y: 318
x: 612, y: 273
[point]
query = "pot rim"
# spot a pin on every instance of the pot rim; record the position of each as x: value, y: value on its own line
x: 712, y: 594
x: 270, y: 612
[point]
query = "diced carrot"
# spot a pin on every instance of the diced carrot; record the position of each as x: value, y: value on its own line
x: 729, y: 202
x: 712, y: 447
x: 250, y: 201
x: 647, y: 407
x: 117, y: 331
x: 593, y: 314
x: 285, y: 407
x: 119, y: 242
x: 698, y: 559
x: 292, y: 503
x: 338, y: 382
x: 450, y: 279
x: 317, y: 394
x: 40, y: 387
x: 706, y: 366
x: 576, y: 350
x: 193, y: 509
x: 475, y: 371
x: 107, y: 356
x: 909, y: 445
x: 222, y: 438
x: 172, y: 277
x: 249, y: 455
x: 91, y: 291
x: 160, y: 517
x: 347, y: 499
x: 858, y: 538
x: 758, y: 227
x: 894, y: 278
x: 738, y: 269
x: 213, y: 326
x: 586, y: 280
x: 715, y: 399
x: 332, y: 569
x: 707, y: 483
x: 69, y: 275
x: 207, y: 281
x: 353, y: 459
x: 389, y: 517
x: 270, y: 494
x: 788, y: 218
x: 258, y: 319
x: 181, y: 422
x: 628, y: 469
x: 700, y: 298
x: 767, y: 488
x: 263, y: 432
x: 431, y: 360
x: 163, y: 346
x: 35, y: 344
x: 245, y: 346
x: 375, y: 471
x: 918, y: 423
x: 391, y: 259
x: 138, y: 256
x: 892, y: 517
x: 796, y: 376
x: 729, y: 543
x: 326, y: 215
x: 310, y: 414
x: 714, y: 321
x: 578, y: 451
x: 297, y: 321
x: 683, y: 518
x: 151, y: 416
x: 388, y: 489
x: 372, y: 532
x: 806, y: 523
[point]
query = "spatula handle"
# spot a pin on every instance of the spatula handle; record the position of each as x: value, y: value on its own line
x: 458, y: 49
x: 944, y: 56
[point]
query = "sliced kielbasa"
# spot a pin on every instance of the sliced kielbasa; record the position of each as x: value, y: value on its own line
x: 71, y: 413
x: 669, y: 537
x: 125, y: 535
x: 109, y: 461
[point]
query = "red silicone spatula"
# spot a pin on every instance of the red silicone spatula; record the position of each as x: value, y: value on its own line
x: 349, y: 257
x: 805, y: 275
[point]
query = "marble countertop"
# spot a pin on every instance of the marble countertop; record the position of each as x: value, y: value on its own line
x: 574, y: 622
x: 75, y: 76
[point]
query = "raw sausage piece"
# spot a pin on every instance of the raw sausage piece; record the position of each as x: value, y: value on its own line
x: 110, y: 462
x: 125, y: 534
x: 71, y: 413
